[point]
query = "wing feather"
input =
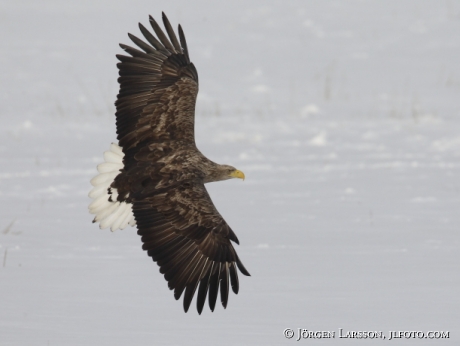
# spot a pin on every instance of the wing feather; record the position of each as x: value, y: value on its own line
x: 152, y: 39
x: 203, y: 290
x: 141, y: 44
x: 224, y: 285
x: 234, y: 278
x: 171, y: 34
x: 214, y: 287
x: 183, y: 43
x: 161, y: 35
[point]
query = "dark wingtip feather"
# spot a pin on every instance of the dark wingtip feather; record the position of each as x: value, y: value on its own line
x: 224, y: 287
x: 241, y: 267
x: 178, y: 293
x: 183, y: 43
x: 214, y: 288
x: 188, y: 296
x: 161, y: 35
x: 201, y: 296
x: 141, y: 44
x: 171, y: 34
x: 133, y: 51
x: 234, y: 278
x: 149, y: 37
x: 121, y: 57
x: 232, y: 236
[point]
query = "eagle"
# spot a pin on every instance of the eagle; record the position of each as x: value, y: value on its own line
x: 155, y: 176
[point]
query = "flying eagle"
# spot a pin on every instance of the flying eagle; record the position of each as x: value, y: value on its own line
x: 154, y: 177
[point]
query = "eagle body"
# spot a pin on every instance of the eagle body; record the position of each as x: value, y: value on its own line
x: 154, y: 177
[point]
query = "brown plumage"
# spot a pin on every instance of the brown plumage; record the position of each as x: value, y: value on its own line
x: 164, y: 173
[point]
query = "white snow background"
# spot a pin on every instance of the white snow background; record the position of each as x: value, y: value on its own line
x: 344, y: 116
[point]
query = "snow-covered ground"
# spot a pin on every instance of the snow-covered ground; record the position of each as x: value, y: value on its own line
x: 344, y: 116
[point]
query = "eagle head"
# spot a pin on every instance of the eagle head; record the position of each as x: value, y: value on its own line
x: 224, y: 172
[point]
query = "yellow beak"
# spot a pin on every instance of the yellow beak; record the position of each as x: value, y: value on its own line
x: 237, y: 174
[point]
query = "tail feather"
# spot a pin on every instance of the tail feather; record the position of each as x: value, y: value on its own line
x: 97, y: 191
x: 102, y: 214
x: 123, y: 211
x: 127, y: 219
x: 111, y: 218
x: 107, y: 210
x: 108, y: 167
x: 104, y: 178
x: 99, y: 204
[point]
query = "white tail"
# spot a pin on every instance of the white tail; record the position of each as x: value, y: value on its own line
x: 109, y: 212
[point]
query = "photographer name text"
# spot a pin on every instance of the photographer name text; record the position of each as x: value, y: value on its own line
x: 302, y: 333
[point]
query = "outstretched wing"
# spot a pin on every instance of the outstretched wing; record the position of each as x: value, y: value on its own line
x: 158, y: 88
x: 188, y: 238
